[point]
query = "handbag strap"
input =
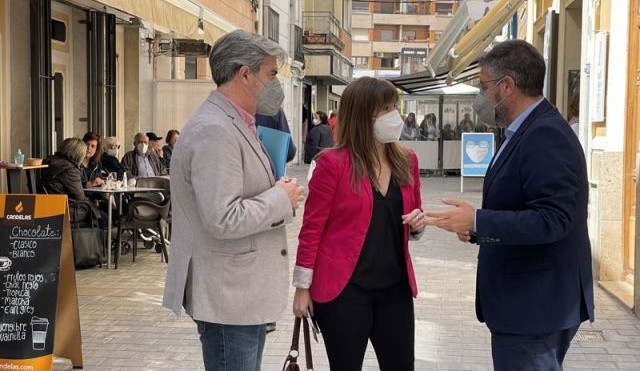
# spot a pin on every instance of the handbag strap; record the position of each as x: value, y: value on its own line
x: 307, y: 344
x: 292, y: 357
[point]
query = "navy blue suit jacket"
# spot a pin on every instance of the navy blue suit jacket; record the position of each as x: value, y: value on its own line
x: 534, y: 264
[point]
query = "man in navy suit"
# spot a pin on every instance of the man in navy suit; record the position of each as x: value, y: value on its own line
x: 534, y: 283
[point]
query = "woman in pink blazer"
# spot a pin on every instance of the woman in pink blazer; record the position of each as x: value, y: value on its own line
x: 353, y: 270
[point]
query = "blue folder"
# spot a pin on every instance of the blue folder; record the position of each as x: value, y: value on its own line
x: 276, y: 143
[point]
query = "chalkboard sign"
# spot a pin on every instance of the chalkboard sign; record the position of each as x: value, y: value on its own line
x: 31, y: 240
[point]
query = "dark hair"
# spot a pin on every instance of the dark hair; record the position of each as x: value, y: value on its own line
x: 360, y: 101
x: 93, y: 136
x: 521, y: 61
x: 170, y: 134
x: 573, y: 106
x: 323, y: 117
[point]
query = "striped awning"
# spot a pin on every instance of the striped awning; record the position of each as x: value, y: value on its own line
x: 423, y: 82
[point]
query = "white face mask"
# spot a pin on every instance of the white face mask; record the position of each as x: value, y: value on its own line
x: 388, y: 127
x: 142, y: 148
x: 112, y: 152
x: 316, y: 122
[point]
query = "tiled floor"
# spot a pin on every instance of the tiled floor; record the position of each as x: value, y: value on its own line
x: 124, y: 326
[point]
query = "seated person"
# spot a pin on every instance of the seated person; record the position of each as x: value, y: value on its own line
x: 92, y: 173
x: 172, y: 139
x: 156, y: 146
x: 141, y: 162
x: 63, y: 175
x: 110, y: 162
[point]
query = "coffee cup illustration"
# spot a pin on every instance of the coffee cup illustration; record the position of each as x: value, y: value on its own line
x: 39, y: 328
x: 5, y: 263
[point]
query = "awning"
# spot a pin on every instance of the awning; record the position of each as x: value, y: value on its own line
x: 422, y: 82
x: 474, y: 43
x: 180, y: 16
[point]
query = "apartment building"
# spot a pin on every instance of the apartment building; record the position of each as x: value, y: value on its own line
x: 393, y: 38
x: 327, y: 52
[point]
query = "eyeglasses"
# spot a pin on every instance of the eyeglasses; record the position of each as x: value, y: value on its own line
x: 115, y: 146
x: 482, y: 85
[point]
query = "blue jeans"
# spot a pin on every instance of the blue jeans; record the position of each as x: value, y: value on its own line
x: 231, y: 347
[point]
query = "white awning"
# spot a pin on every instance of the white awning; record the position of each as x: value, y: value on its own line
x: 473, y: 44
x: 422, y: 82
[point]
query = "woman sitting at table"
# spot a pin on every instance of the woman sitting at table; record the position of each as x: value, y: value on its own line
x: 92, y: 172
x: 63, y: 175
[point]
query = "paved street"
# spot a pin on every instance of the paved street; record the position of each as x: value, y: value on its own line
x: 124, y: 326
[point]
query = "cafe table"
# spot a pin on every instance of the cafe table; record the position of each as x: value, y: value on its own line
x: 111, y: 193
x: 14, y: 176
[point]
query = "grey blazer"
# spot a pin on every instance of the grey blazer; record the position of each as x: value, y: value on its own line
x: 228, y: 261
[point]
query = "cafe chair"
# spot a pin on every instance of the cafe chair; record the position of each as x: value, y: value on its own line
x: 143, y: 214
x: 152, y: 239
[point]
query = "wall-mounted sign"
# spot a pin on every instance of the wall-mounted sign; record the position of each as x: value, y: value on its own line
x: 599, y: 73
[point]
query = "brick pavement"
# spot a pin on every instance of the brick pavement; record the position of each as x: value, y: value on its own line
x: 124, y: 326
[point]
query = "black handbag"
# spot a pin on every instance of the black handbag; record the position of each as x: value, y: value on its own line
x: 291, y: 363
x: 87, y: 241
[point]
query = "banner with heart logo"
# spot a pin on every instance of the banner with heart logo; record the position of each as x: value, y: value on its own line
x: 477, y: 151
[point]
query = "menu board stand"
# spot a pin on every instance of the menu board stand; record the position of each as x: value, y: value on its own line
x: 39, y: 315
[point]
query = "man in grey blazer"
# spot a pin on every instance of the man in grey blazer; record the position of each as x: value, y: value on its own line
x: 229, y: 264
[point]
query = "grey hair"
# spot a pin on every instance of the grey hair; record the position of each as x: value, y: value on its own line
x: 108, y: 141
x: 521, y: 61
x: 73, y: 149
x: 139, y: 136
x: 240, y: 48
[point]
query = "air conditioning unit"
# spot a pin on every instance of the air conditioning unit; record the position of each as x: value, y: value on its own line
x: 378, y: 54
x: 191, y: 48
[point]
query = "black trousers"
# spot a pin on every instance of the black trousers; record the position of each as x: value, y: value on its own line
x: 531, y: 352
x: 384, y: 316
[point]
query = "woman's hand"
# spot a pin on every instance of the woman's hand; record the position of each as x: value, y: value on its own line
x: 302, y: 304
x: 416, y: 220
x: 97, y: 182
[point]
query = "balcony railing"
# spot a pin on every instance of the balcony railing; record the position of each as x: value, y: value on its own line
x: 321, y: 28
x: 296, y: 48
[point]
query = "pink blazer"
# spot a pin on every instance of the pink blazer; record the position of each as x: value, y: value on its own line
x: 336, y: 221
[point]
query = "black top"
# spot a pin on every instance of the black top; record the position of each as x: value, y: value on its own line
x: 319, y: 138
x: 381, y: 263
